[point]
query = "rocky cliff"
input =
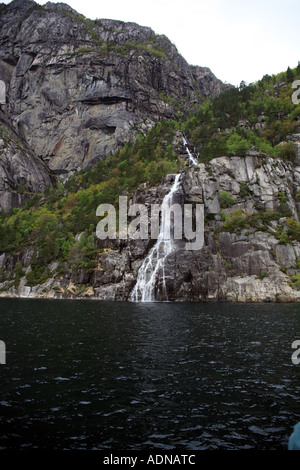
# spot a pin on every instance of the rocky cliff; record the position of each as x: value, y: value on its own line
x: 250, y: 253
x: 21, y: 173
x: 77, y: 90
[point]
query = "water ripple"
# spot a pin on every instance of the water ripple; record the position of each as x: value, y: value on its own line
x: 97, y: 375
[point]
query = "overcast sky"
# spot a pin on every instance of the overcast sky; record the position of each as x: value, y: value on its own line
x: 237, y: 39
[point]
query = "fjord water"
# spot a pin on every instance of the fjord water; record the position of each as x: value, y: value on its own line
x: 148, y: 376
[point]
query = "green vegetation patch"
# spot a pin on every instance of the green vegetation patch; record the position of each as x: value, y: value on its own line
x: 259, y: 116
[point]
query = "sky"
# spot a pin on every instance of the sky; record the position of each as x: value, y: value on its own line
x: 237, y: 39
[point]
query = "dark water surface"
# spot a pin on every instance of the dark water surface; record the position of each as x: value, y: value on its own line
x: 160, y: 376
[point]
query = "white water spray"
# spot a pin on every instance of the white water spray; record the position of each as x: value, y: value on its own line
x: 192, y: 159
x: 144, y: 289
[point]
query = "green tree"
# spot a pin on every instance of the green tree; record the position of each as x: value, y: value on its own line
x: 237, y: 145
x: 226, y: 199
x: 289, y: 75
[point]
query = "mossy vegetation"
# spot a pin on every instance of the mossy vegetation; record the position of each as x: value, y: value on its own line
x: 295, y: 281
x: 150, y: 48
x: 287, y: 232
x: 226, y: 199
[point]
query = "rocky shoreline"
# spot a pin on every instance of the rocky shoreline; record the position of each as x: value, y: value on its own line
x: 240, y: 290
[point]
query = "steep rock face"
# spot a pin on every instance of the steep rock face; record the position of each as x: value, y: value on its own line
x: 78, y: 89
x: 22, y: 174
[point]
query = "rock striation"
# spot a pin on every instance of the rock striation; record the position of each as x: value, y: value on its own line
x: 22, y: 174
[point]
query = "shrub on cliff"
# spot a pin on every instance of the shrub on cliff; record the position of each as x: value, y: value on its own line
x: 226, y: 199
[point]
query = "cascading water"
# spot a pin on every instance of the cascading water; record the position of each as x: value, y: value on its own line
x: 145, y: 287
x: 192, y: 159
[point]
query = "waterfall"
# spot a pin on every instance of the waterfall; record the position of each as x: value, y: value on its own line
x: 192, y: 159
x: 144, y: 289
